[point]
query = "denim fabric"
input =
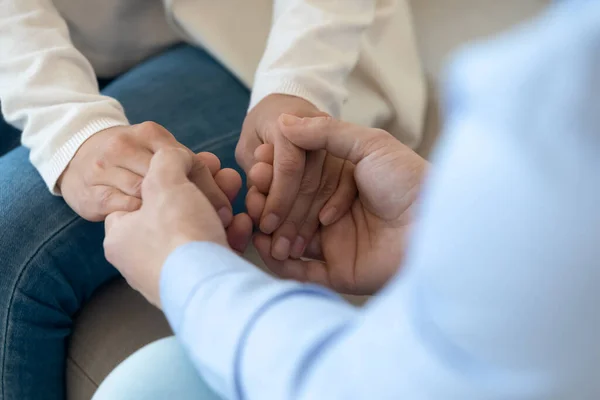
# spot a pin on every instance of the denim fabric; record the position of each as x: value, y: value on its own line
x: 158, y: 371
x: 51, y: 260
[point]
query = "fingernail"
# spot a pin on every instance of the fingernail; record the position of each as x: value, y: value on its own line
x: 289, y: 120
x: 298, y: 247
x: 281, y: 250
x: 225, y: 215
x: 269, y: 224
x: 328, y: 215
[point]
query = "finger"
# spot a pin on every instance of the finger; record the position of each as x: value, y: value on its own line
x: 330, y: 179
x: 341, y: 139
x: 111, y: 220
x: 341, y: 201
x: 301, y: 270
x: 314, y: 249
x: 255, y: 204
x: 286, y: 236
x: 211, y: 161
x: 288, y: 169
x: 170, y: 167
x: 261, y: 176
x: 201, y: 176
x: 263, y: 244
x: 122, y: 179
x: 108, y: 200
x: 244, y: 151
x: 265, y: 153
x: 229, y: 181
x: 239, y: 232
x: 154, y: 136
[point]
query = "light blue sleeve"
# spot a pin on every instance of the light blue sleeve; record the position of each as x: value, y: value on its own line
x: 499, y: 296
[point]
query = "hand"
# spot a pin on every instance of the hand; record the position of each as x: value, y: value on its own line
x: 106, y: 173
x: 303, y: 183
x: 359, y: 252
x: 174, y: 212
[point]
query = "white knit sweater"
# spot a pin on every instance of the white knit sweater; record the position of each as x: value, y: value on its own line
x: 355, y: 59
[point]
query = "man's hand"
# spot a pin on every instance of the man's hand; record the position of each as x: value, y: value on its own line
x: 359, y: 252
x: 106, y: 173
x: 174, y: 212
x: 303, y: 182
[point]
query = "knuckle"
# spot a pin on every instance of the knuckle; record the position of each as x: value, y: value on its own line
x: 151, y: 130
x: 91, y: 175
x: 117, y: 145
x: 104, y: 198
x: 376, y: 140
x: 328, y: 187
x: 288, y: 166
x: 289, y: 228
x: 199, y: 172
x: 381, y: 134
x: 308, y: 186
x: 148, y: 127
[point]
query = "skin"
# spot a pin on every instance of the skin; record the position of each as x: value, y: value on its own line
x: 360, y: 251
x: 175, y: 211
x: 357, y: 253
x: 303, y: 182
x: 106, y: 173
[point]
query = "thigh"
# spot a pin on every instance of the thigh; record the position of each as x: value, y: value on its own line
x: 192, y: 95
x: 10, y: 137
x: 51, y: 261
x: 159, y: 371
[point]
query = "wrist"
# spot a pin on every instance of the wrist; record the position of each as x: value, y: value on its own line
x: 268, y: 87
x: 182, y: 240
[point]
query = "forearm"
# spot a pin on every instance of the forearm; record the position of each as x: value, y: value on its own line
x: 205, y: 285
x: 47, y: 88
x: 313, y: 46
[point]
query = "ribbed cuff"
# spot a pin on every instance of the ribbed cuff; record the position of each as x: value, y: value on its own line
x: 265, y: 86
x: 52, y: 169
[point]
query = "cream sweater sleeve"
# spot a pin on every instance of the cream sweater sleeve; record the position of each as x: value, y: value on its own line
x: 312, y: 48
x: 47, y: 88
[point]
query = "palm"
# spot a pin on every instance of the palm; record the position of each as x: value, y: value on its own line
x: 361, y: 250
x: 365, y: 247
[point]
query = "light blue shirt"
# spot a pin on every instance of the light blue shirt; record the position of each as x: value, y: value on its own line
x: 500, y: 295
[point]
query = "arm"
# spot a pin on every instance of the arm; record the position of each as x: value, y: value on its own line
x: 312, y: 48
x: 47, y: 88
x: 498, y: 299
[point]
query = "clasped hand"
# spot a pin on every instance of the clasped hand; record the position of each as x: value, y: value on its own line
x: 356, y: 252
x: 359, y: 250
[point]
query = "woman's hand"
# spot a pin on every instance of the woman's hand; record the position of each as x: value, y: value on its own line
x: 106, y: 173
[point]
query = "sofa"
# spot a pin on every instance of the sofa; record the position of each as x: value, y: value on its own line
x: 118, y: 321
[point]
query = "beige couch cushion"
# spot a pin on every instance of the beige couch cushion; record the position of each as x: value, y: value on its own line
x: 118, y: 321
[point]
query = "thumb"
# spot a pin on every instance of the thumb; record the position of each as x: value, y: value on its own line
x: 111, y: 220
x: 341, y: 139
x: 168, y: 167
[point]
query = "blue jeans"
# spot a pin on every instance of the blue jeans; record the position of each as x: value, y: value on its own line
x: 51, y: 260
x: 159, y: 371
